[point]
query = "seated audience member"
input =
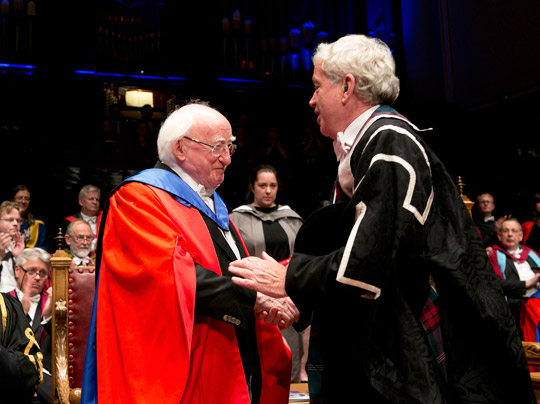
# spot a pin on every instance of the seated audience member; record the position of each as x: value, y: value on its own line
x: 79, y: 239
x: 33, y: 291
x: 531, y: 229
x: 20, y: 356
x: 266, y: 226
x: 32, y: 228
x: 486, y: 223
x: 11, y: 244
x: 516, y: 265
x: 89, y: 197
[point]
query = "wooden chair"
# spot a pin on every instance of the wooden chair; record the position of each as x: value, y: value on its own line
x: 73, y: 296
x: 532, y: 353
x: 468, y: 203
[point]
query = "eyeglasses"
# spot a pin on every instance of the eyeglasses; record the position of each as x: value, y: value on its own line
x: 217, y: 149
x: 82, y: 238
x: 514, y: 231
x: 32, y: 272
x: 11, y: 220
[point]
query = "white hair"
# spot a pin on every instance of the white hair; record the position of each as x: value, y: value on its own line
x: 177, y: 125
x: 31, y: 254
x: 368, y: 59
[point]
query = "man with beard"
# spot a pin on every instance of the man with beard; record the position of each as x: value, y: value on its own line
x: 89, y: 197
x: 79, y: 238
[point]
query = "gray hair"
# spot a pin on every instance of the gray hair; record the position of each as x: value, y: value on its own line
x: 31, y: 254
x: 368, y: 59
x: 88, y: 188
x: 69, y: 230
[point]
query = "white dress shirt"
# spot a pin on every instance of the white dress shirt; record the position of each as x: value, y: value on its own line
x: 206, y: 196
x: 345, y: 142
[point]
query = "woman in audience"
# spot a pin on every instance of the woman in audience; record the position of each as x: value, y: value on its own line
x: 32, y: 228
x: 267, y: 226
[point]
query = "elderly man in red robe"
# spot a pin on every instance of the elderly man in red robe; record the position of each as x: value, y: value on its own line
x: 169, y: 325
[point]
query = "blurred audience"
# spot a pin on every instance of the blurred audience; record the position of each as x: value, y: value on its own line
x: 517, y: 266
x: 34, y: 292
x: 79, y: 239
x: 266, y: 226
x: 32, y: 228
x: 11, y: 244
x: 20, y: 356
x: 531, y: 228
x: 89, y: 197
x: 485, y: 221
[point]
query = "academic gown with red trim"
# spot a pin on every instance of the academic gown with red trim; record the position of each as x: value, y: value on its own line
x: 151, y: 347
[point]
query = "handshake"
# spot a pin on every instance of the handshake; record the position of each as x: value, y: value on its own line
x: 277, y: 311
x: 266, y: 276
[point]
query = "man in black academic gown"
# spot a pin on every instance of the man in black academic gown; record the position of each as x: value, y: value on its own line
x: 404, y: 304
x: 20, y: 357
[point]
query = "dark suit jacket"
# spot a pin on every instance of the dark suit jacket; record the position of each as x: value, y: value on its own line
x: 218, y: 297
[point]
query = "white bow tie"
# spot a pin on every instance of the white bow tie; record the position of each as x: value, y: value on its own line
x: 340, y: 147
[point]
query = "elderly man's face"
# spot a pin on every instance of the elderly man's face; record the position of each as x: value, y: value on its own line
x: 32, y: 283
x: 80, y: 244
x: 510, y: 235
x: 197, y: 159
x: 90, y: 203
x: 326, y: 100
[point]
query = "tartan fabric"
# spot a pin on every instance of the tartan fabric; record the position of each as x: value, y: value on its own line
x: 431, y: 322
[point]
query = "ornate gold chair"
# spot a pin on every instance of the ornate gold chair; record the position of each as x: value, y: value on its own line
x: 73, y: 296
x: 532, y: 353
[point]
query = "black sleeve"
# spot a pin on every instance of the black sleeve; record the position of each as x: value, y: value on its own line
x: 513, y: 288
x: 218, y: 297
x: 20, y: 358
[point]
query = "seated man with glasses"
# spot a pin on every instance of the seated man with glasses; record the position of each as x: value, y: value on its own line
x: 517, y: 265
x: 34, y: 292
x: 11, y: 244
x: 79, y: 239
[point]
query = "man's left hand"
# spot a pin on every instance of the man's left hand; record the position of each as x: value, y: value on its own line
x: 264, y: 275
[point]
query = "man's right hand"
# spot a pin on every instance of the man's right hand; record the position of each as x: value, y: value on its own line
x: 277, y: 311
x: 5, y: 242
x: 531, y: 283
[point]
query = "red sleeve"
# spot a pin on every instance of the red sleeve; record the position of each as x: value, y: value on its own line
x: 143, y: 328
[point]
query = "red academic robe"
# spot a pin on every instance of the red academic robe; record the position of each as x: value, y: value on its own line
x: 151, y: 347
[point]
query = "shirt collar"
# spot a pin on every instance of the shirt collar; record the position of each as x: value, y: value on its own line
x: 194, y: 185
x: 33, y: 299
x: 352, y: 130
x: 89, y: 219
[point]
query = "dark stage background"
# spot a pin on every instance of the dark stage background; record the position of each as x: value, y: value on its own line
x: 468, y: 69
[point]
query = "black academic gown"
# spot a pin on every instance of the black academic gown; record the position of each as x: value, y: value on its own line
x: 365, y: 278
x: 20, y: 357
